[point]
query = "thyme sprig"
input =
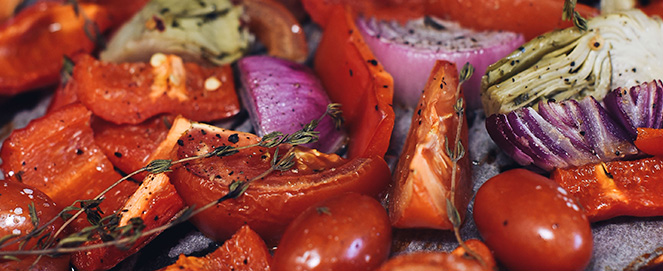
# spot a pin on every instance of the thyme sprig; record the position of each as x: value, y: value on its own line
x: 90, y: 27
x: 107, y: 228
x: 455, y: 154
x: 569, y: 13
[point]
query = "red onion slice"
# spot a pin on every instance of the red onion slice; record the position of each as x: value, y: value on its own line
x: 409, y: 51
x: 281, y: 95
x: 640, y: 106
x: 569, y: 133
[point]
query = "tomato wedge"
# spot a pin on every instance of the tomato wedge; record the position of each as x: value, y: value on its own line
x: 33, y: 43
x: 57, y: 154
x: 423, y: 176
x: 617, y: 188
x: 134, y: 92
x: 353, y: 77
x: 272, y: 202
x: 244, y: 251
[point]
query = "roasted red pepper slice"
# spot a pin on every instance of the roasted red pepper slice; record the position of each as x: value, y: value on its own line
x: 649, y: 141
x: 134, y: 92
x: 57, y: 154
x: 529, y: 17
x: 272, y: 202
x: 33, y: 43
x: 631, y: 188
x: 129, y: 146
x: 355, y: 79
x: 156, y: 202
x: 245, y: 251
x: 423, y: 176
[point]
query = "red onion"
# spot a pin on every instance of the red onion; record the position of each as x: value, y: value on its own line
x: 281, y: 95
x: 409, y: 51
x: 560, y: 135
x: 640, y: 106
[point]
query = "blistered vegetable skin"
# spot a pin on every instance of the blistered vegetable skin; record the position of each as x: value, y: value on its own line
x: 206, y: 30
x: 640, y: 106
x: 409, y: 51
x: 531, y: 223
x: 284, y: 96
x: 561, y: 135
x: 619, y: 49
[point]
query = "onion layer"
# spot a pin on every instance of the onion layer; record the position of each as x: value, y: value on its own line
x: 408, y: 52
x: 284, y: 96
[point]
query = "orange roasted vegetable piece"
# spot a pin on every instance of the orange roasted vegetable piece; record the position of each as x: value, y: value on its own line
x: 457, y: 260
x: 277, y: 29
x: 245, y: 251
x: 423, y: 176
x: 57, y: 154
x: 649, y: 141
x: 529, y: 17
x: 631, y: 188
x: 272, y: 202
x: 33, y: 43
x: 354, y: 78
x: 155, y: 202
x: 134, y: 92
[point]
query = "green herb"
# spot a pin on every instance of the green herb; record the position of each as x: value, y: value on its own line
x: 569, y: 13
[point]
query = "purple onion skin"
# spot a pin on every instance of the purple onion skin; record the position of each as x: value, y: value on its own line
x: 570, y: 133
x: 410, y: 67
x: 283, y: 96
x: 640, y: 106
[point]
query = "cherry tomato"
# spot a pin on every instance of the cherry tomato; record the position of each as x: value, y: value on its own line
x: 348, y: 232
x: 531, y: 223
x: 270, y: 203
x: 15, y: 218
x: 277, y: 28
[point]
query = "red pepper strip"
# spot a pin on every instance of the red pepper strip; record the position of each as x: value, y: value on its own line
x: 33, y: 43
x: 156, y: 202
x: 57, y: 155
x: 530, y: 17
x: 649, y: 141
x: 442, y: 261
x: 353, y: 77
x: 244, y: 251
x: 7, y: 9
x: 134, y: 92
x: 632, y: 188
x: 277, y: 29
x: 129, y: 146
x: 423, y: 176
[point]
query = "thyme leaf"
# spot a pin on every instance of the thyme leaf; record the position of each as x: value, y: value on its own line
x: 569, y: 13
x: 159, y: 166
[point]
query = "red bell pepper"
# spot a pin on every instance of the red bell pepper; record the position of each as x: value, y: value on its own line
x: 33, y: 43
x: 134, y: 92
x: 57, y: 154
x: 244, y: 251
x: 649, y: 141
x: 632, y: 188
x: 353, y: 77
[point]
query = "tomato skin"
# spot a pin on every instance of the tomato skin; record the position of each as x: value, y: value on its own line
x: 443, y: 261
x: 531, y: 223
x: 15, y: 218
x: 269, y: 204
x: 423, y: 176
x: 348, y: 232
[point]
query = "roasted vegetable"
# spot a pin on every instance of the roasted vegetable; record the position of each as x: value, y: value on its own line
x: 284, y: 96
x: 618, y: 50
x: 201, y: 30
x: 409, y: 51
